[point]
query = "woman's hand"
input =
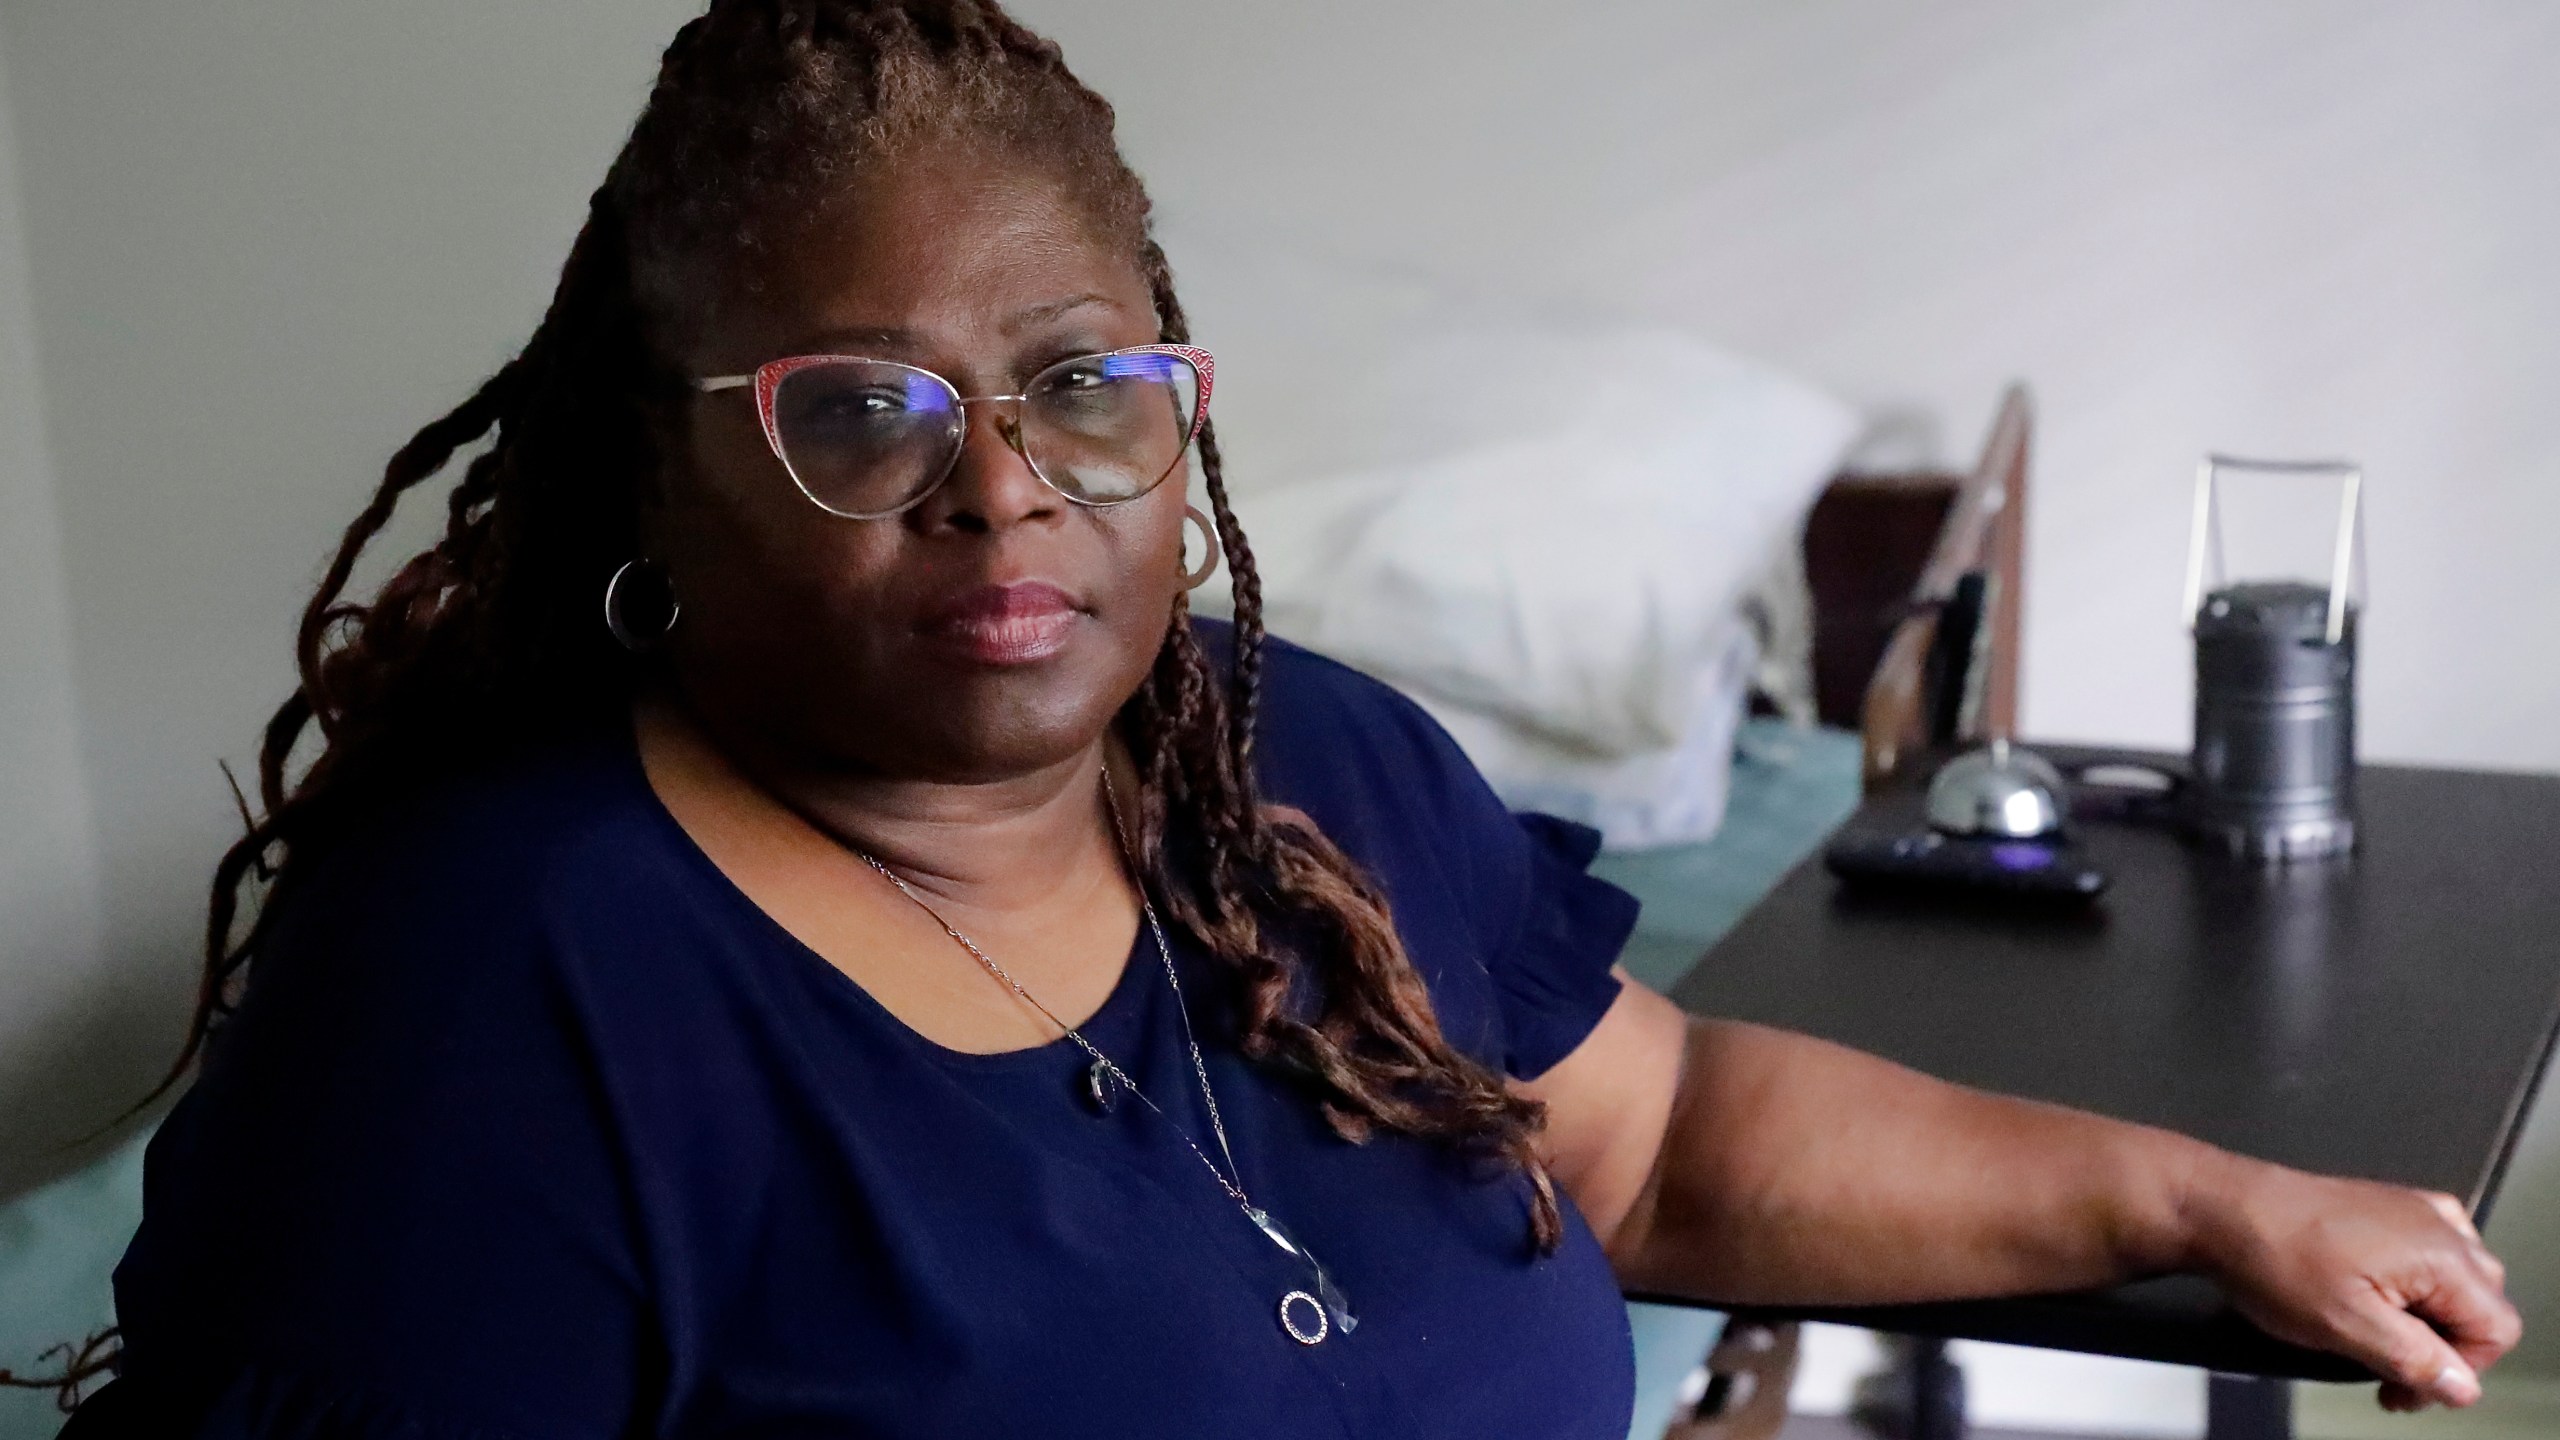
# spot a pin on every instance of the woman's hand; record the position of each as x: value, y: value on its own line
x: 2394, y: 1279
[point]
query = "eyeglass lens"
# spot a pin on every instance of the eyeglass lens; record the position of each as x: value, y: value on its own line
x: 867, y: 437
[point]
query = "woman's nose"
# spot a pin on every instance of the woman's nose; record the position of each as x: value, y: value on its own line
x: 992, y: 486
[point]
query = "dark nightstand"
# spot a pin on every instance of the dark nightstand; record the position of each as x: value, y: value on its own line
x: 2386, y: 1015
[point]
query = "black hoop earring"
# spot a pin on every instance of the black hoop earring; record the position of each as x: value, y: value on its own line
x: 633, y: 640
x: 1193, y: 579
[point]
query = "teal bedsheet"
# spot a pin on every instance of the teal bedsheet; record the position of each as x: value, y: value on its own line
x: 1790, y: 789
x: 59, y: 1244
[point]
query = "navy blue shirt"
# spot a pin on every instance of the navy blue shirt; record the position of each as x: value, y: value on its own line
x: 532, y: 1125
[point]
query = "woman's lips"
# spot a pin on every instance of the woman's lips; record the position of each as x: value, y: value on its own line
x: 1006, y: 624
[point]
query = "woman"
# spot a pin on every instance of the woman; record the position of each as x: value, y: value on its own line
x: 789, y: 927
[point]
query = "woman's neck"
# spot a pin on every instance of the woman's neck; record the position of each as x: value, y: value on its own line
x: 1028, y: 868
x: 1011, y: 845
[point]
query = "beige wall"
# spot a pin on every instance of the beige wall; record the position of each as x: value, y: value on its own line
x: 51, y: 982
x: 269, y: 238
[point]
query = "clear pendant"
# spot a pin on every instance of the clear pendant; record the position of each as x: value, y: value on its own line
x: 1335, y: 1303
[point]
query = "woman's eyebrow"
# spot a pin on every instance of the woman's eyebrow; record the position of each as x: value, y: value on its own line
x: 855, y: 338
x: 1022, y: 320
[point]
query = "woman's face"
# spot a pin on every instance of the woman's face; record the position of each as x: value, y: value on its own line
x: 995, y: 627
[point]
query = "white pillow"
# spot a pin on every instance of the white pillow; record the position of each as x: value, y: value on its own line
x: 1671, y: 796
x: 1541, y: 526
x: 1600, y: 503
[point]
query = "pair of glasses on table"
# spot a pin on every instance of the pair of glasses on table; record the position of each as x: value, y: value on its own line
x: 869, y: 438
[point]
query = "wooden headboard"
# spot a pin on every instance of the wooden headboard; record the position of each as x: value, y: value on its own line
x: 1884, y: 556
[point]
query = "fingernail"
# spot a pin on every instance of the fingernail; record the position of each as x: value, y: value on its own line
x: 2457, y: 1384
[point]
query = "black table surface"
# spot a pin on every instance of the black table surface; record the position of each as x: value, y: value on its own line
x: 2385, y: 1015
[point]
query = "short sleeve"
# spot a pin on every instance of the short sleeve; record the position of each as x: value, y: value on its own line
x: 1555, y: 975
x: 1473, y: 885
x: 393, y: 1203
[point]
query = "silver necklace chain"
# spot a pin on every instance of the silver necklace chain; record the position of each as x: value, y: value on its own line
x: 1229, y: 1179
x: 1332, y: 1310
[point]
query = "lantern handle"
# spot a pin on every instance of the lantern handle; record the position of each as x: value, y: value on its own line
x: 2346, y: 555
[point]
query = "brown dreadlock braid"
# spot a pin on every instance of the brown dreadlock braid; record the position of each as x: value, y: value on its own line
x: 488, y: 642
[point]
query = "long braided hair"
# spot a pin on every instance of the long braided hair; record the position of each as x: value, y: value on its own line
x: 488, y: 641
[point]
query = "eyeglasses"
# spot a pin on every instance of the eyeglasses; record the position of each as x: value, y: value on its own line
x: 868, y: 438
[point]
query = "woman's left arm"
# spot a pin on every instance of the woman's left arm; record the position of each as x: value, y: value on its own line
x: 1747, y: 1165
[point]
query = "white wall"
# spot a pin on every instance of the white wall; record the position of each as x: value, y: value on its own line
x: 270, y: 237
x: 2295, y: 226
x: 50, y: 978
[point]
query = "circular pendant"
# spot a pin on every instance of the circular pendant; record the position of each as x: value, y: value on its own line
x: 1098, y: 1088
x: 1307, y: 1331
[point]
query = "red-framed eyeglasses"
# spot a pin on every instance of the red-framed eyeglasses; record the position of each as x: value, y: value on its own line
x: 866, y: 438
